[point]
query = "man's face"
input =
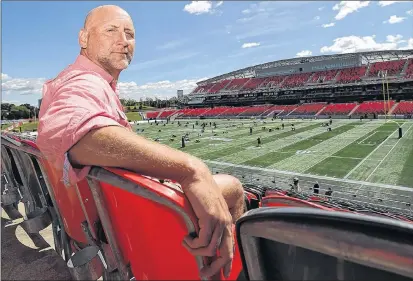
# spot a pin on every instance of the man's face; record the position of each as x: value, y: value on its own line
x: 111, y: 41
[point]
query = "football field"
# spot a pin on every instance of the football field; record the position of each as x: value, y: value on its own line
x: 357, y: 157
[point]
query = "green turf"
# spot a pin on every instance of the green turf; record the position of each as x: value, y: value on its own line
x: 133, y: 116
x: 273, y: 157
x: 334, y: 167
x: 406, y: 176
x: 29, y: 127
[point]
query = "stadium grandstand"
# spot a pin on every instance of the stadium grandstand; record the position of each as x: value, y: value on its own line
x: 344, y: 85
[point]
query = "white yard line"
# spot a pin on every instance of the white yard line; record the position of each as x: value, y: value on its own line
x: 368, y: 156
x: 388, y: 153
x: 388, y: 186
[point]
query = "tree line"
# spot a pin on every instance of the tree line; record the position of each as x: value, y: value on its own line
x: 11, y: 111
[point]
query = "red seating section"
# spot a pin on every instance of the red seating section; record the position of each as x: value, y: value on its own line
x: 236, y: 84
x: 339, y: 76
x: 216, y: 111
x: 255, y: 110
x: 404, y: 107
x: 308, y: 109
x: 167, y: 113
x: 370, y: 107
x: 324, y: 76
x: 253, y: 83
x: 296, y: 80
x: 392, y: 67
x: 338, y: 108
x: 152, y: 114
x: 272, y: 82
x: 352, y: 74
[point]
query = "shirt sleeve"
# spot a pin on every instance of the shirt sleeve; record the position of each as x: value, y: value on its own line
x: 79, y: 106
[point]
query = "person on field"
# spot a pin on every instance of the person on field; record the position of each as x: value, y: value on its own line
x: 295, y: 186
x: 82, y: 124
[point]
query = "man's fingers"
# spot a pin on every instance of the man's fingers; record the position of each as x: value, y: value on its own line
x: 226, y: 251
x: 204, y: 237
x: 209, y: 250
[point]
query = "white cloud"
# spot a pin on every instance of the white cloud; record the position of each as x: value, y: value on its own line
x: 394, y: 19
x: 408, y: 46
x: 219, y: 4
x: 250, y: 45
x: 246, y: 11
x: 202, y: 7
x: 198, y: 7
x: 317, y: 17
x: 410, y: 12
x: 161, y: 89
x: 345, y: 8
x: 304, y: 53
x: 387, y: 3
x: 321, y: 8
x: 21, y: 86
x: 328, y: 25
x: 350, y: 44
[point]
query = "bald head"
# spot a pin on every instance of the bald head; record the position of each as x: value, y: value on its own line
x: 108, y: 38
x: 103, y: 13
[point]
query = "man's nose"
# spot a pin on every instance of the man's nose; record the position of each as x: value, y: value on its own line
x: 122, y: 40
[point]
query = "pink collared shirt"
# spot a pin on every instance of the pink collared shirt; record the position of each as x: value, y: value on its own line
x: 81, y: 98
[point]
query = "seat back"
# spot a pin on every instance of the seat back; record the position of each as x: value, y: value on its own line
x: 285, y: 201
x: 311, y: 244
x: 71, y: 208
x: 149, y: 221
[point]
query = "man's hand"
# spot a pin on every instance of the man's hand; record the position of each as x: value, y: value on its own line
x: 215, y: 225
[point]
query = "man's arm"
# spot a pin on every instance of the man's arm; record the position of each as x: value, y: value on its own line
x: 115, y: 146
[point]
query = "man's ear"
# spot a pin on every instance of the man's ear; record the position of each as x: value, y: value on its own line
x: 83, y: 36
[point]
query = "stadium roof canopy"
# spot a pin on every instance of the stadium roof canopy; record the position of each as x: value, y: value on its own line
x: 367, y: 57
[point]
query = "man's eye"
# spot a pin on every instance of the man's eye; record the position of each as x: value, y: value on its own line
x: 111, y: 30
x: 129, y: 35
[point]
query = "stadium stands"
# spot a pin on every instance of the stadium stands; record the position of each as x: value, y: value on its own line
x: 216, y: 111
x: 392, y: 67
x: 255, y: 110
x: 370, y: 107
x: 352, y: 74
x: 295, y: 80
x: 308, y: 109
x: 152, y: 114
x: 253, y: 83
x: 324, y: 76
x: 404, y: 107
x: 338, y: 109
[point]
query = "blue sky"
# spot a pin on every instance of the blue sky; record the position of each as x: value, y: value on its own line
x: 179, y: 43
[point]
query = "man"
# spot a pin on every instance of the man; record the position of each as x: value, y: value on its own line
x: 295, y: 186
x: 82, y: 123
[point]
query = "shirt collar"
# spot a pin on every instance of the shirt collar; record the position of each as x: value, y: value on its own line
x: 89, y: 65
